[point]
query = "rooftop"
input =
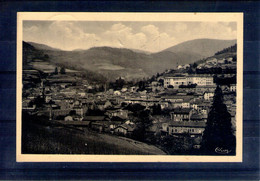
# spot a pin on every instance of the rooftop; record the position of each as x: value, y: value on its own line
x: 195, y: 124
x: 94, y: 118
x: 182, y: 111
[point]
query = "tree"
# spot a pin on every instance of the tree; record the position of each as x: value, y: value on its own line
x: 38, y: 101
x: 162, y: 82
x: 56, y: 71
x: 194, y: 65
x: 141, y: 85
x: 218, y: 136
x: 72, y: 112
x: 156, y: 109
x: 62, y: 70
x: 142, y: 123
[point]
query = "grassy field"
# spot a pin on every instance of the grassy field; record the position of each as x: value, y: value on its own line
x: 47, y: 139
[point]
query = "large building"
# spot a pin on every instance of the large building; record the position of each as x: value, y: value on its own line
x: 177, y: 80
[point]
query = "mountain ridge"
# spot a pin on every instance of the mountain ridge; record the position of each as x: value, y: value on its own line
x: 205, y: 47
x: 115, y: 62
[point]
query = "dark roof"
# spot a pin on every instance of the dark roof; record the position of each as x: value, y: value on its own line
x: 75, y: 123
x: 117, y: 118
x: 190, y: 75
x: 100, y: 102
x: 181, y: 111
x: 113, y: 109
x: 94, y: 118
x: 195, y: 124
x: 195, y: 117
x: 179, y: 96
x: 174, y: 75
x: 127, y: 127
x: 154, y: 127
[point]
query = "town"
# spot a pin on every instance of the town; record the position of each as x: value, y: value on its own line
x: 169, y: 108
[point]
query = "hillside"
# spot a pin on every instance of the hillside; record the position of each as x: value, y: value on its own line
x: 69, y: 140
x: 111, y: 63
x: 42, y: 46
x: 229, y: 52
x: 202, y: 47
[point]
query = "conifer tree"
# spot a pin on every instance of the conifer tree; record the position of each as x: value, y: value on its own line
x: 56, y: 71
x: 62, y: 70
x: 218, y: 138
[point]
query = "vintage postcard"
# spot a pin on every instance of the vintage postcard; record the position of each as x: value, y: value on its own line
x: 129, y: 87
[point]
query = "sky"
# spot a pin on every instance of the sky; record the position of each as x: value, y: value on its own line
x: 146, y: 36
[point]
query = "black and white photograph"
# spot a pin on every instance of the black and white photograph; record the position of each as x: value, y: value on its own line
x: 143, y: 86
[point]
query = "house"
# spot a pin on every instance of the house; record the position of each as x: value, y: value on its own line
x: 185, y: 104
x: 174, y: 80
x: 191, y: 127
x: 186, y: 66
x: 79, y: 110
x: 76, y: 123
x: 233, y: 88
x: 94, y: 118
x: 124, y: 129
x: 133, y: 89
x: 68, y: 92
x: 177, y: 80
x: 124, y: 89
x: 97, y: 126
x: 212, y: 61
x: 194, y: 103
x: 60, y: 112
x: 48, y: 98
x: 183, y: 114
x: 164, y: 104
x: 103, y: 104
x: 224, y: 88
x: 68, y: 118
x: 117, y: 112
x: 173, y: 99
x: 154, y: 129
x: 180, y: 67
x: 117, y: 93
x: 208, y: 95
x: 113, y: 125
x: 202, y: 89
x: 196, y: 117
x: 27, y: 105
x: 221, y: 61
x: 176, y: 105
x: 77, y: 118
x: 81, y: 93
x: 155, y: 83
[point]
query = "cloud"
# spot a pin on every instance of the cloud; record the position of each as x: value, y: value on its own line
x: 71, y: 35
x: 120, y: 35
x: 156, y: 40
x: 153, y: 37
x: 31, y: 29
x: 150, y: 30
x: 148, y: 37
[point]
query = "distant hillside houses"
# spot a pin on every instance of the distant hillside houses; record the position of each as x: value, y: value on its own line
x: 183, y: 66
x: 221, y: 62
x: 185, y: 79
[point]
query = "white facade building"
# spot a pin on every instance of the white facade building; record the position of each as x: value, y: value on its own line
x: 200, y: 80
